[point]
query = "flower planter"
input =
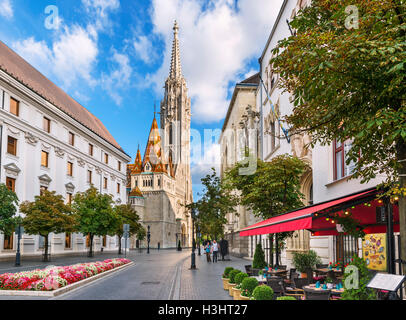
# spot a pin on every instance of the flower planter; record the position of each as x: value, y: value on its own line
x: 236, y: 293
x: 244, y: 298
x: 225, y: 283
x: 230, y: 288
x: 304, y: 275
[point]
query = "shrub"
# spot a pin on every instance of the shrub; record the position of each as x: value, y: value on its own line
x: 263, y: 292
x: 362, y: 293
x: 227, y: 271
x: 286, y: 298
x: 248, y: 285
x: 305, y: 260
x: 240, y: 277
x: 232, y: 275
x: 259, y: 258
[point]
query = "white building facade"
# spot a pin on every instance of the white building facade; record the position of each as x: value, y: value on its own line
x: 49, y: 141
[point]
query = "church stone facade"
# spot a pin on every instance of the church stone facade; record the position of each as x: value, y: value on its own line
x: 160, y: 184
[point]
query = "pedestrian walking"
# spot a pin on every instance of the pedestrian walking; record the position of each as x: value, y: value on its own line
x: 215, y: 250
x: 208, y: 251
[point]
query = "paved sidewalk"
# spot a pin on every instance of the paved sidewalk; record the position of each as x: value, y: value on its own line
x: 205, y: 283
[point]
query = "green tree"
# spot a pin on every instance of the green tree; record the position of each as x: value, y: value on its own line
x: 47, y: 214
x: 213, y: 206
x: 126, y: 215
x: 272, y: 190
x: 259, y: 258
x: 95, y: 214
x: 8, y: 209
x: 349, y: 84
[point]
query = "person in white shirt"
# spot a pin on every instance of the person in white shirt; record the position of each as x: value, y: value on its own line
x: 215, y: 250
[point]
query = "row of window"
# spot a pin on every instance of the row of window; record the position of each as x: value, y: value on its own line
x: 46, y: 125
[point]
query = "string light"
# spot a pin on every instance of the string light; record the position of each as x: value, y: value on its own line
x: 396, y: 198
x: 327, y: 219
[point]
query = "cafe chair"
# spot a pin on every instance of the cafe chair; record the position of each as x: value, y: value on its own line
x: 292, y: 274
x: 255, y: 272
x: 299, y: 283
x: 248, y: 270
x: 317, y: 295
x: 292, y: 292
x: 281, y: 267
x: 276, y: 284
x: 321, y: 266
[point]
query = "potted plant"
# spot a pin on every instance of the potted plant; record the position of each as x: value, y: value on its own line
x: 259, y: 262
x: 263, y: 292
x: 237, y: 289
x: 247, y: 287
x: 225, y: 277
x: 305, y: 261
x: 362, y: 292
x: 231, y: 281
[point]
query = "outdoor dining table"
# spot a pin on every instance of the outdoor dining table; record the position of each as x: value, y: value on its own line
x: 326, y: 270
x: 261, y: 279
x: 279, y: 272
x: 333, y: 291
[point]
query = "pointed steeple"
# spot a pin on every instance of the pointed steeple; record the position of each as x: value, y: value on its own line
x: 137, y: 166
x: 176, y: 67
x: 153, y: 152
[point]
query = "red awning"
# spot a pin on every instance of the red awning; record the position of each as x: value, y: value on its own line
x: 308, y: 218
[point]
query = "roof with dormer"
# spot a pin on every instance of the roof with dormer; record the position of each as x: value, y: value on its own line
x: 136, y: 192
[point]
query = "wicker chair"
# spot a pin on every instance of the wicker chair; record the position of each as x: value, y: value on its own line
x: 248, y: 270
x: 299, y: 283
x: 292, y: 274
x: 255, y: 271
x: 317, y: 295
x: 281, y: 267
x: 321, y: 266
x: 276, y: 284
x: 292, y: 292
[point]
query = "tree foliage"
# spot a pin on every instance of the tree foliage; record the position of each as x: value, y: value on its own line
x: 95, y: 214
x: 348, y: 83
x: 8, y: 209
x: 47, y: 214
x: 272, y: 190
x: 213, y: 206
x: 126, y: 215
x: 259, y: 258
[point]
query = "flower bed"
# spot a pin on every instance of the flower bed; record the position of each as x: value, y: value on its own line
x: 57, y: 277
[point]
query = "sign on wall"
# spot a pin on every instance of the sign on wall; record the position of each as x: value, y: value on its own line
x: 374, y: 251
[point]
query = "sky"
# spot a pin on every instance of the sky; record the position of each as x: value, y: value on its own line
x: 113, y: 57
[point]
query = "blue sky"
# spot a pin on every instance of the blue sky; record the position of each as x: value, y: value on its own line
x: 113, y: 56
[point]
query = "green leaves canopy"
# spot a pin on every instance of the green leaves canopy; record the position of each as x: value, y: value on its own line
x: 127, y: 215
x: 95, y: 213
x: 8, y: 209
x: 349, y: 83
x: 48, y: 213
x: 213, y: 206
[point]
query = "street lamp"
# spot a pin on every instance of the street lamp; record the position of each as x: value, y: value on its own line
x: 18, y: 255
x: 193, y: 257
x: 198, y: 237
x: 148, y: 237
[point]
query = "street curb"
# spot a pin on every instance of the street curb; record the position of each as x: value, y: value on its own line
x: 64, y: 289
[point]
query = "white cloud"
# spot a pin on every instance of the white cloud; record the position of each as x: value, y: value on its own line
x: 200, y: 167
x: 216, y: 42
x: 144, y: 49
x: 100, y: 10
x: 119, y: 78
x: 6, y: 9
x: 71, y: 57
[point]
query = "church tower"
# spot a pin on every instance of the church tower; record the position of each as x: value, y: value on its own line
x: 160, y: 184
x: 176, y: 113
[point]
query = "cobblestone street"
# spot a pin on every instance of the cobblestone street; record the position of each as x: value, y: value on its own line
x: 161, y: 275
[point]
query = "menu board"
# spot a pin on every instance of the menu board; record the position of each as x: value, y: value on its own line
x: 374, y: 251
x: 390, y: 282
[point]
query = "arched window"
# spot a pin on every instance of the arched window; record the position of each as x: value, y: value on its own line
x: 170, y: 134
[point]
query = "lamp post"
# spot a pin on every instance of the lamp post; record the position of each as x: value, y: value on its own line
x: 148, y: 238
x: 193, y: 257
x: 18, y: 255
x: 198, y: 237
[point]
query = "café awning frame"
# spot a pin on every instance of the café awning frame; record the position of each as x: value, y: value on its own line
x: 301, y: 219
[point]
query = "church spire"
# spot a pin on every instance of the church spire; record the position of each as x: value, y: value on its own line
x: 176, y: 67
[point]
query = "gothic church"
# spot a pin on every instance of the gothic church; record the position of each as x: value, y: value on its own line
x: 160, y: 184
